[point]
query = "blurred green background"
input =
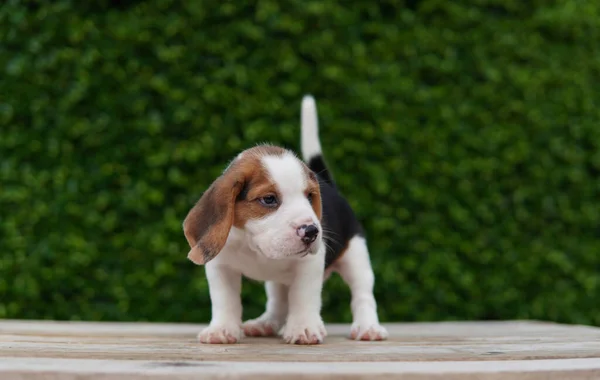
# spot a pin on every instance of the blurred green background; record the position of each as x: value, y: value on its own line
x: 466, y: 134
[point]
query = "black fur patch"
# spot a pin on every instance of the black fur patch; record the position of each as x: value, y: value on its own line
x: 339, y: 222
x: 317, y: 164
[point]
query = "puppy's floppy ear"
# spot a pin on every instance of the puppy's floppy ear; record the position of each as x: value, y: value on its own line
x: 208, y: 223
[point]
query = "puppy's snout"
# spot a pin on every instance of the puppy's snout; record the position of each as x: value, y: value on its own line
x: 308, y: 233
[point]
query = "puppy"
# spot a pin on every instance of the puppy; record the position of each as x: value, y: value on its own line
x: 275, y: 218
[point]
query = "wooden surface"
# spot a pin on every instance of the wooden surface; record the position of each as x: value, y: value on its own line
x: 461, y: 350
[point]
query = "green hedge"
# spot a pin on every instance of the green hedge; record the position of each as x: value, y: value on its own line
x: 466, y: 134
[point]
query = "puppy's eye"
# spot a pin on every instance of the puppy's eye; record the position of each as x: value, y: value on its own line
x: 310, y: 197
x: 268, y: 201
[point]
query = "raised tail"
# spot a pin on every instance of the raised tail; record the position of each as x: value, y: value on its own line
x: 310, y: 142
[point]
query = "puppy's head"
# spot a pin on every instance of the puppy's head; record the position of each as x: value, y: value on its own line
x: 270, y: 195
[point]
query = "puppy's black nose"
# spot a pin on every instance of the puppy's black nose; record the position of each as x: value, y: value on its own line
x: 309, y: 233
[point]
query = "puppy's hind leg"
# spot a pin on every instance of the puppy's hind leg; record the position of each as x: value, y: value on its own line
x: 355, y: 268
x: 271, y: 321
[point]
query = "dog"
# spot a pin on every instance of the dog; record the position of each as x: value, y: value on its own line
x: 273, y: 217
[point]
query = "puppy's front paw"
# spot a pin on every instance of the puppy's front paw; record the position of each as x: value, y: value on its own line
x: 221, y: 334
x: 304, y: 330
x: 261, y: 326
x: 368, y: 332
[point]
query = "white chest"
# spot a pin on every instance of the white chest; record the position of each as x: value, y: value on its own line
x: 256, y: 267
x: 238, y: 256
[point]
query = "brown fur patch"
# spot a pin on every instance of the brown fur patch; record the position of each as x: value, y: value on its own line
x: 207, y: 225
x: 258, y: 186
x: 314, y: 188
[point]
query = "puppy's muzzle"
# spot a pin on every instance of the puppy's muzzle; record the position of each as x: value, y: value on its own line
x: 308, y: 233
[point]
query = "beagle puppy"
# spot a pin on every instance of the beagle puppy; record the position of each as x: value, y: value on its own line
x: 273, y: 217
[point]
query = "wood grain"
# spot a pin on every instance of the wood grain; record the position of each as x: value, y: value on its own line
x: 171, y: 349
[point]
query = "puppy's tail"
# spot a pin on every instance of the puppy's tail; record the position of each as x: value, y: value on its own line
x: 310, y: 142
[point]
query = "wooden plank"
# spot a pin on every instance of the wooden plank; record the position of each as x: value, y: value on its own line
x: 34, y: 349
x: 71, y: 369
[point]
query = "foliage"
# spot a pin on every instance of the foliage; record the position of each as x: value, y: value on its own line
x: 464, y: 133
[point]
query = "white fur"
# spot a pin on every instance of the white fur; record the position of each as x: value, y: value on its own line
x: 239, y: 255
x: 224, y: 287
x: 275, y: 314
x: 267, y: 250
x: 310, y: 143
x: 355, y: 268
